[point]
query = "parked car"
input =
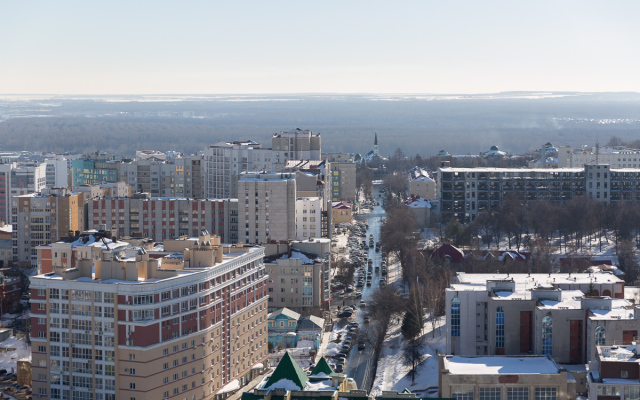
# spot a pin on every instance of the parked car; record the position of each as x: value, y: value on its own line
x: 361, y: 346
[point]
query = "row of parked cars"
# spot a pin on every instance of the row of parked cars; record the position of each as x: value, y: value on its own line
x: 341, y: 358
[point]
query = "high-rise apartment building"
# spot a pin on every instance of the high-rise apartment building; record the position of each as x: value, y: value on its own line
x: 116, y: 322
x: 42, y: 218
x: 297, y: 144
x: 308, y: 218
x: 16, y: 180
x: 225, y: 161
x: 57, y: 172
x: 266, y: 207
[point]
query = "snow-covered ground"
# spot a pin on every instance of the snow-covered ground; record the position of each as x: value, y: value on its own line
x: 9, y: 360
x: 392, y: 374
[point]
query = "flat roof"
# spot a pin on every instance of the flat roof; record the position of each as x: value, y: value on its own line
x: 496, y: 365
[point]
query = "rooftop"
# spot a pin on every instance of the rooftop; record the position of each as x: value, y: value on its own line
x: 495, y: 365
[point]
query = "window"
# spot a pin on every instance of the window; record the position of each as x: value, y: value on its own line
x: 547, y: 337
x: 600, y: 336
x: 549, y: 393
x: 462, y: 393
x: 455, y: 318
x: 517, y: 393
x: 489, y: 393
x: 132, y: 371
x: 132, y: 386
x: 500, y: 327
x: 632, y: 392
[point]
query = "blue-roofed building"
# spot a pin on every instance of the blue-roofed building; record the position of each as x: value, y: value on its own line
x: 282, y: 326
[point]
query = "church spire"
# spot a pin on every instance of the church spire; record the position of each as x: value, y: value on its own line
x: 375, y: 142
x: 375, y: 145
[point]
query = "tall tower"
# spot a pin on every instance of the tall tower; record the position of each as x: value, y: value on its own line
x: 375, y: 145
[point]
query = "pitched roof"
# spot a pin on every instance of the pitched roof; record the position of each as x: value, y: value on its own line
x: 322, y: 367
x: 287, y: 370
x: 286, y: 312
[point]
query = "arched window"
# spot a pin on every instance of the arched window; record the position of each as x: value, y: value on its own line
x: 499, y: 327
x: 600, y: 336
x: 547, y: 335
x: 455, y: 317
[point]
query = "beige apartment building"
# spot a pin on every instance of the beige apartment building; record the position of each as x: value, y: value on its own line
x: 112, y: 321
x: 297, y: 144
x: 41, y: 218
x: 421, y: 184
x: 266, y: 207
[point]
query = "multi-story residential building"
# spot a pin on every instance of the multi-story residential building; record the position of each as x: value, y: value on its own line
x: 299, y: 279
x: 343, y: 181
x: 308, y: 218
x: 421, y: 184
x: 16, y: 180
x: 194, y: 176
x: 120, y: 323
x: 503, y: 377
x: 158, y: 178
x: 563, y: 316
x: 297, y: 144
x: 92, y: 172
x: 266, y: 207
x: 225, y: 161
x: 465, y: 192
x: 45, y: 217
x: 165, y: 218
x: 57, y: 172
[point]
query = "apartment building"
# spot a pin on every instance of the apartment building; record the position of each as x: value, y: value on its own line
x: 308, y: 218
x: 225, y: 161
x: 16, y: 180
x: 421, y: 183
x: 563, y: 316
x: 164, y: 218
x: 343, y: 181
x: 269, y: 211
x: 10, y: 291
x: 42, y: 218
x: 465, y: 192
x: 57, y: 172
x: 297, y: 144
x: 299, y: 279
x: 129, y: 322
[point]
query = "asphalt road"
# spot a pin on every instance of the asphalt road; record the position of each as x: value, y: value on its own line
x: 360, y: 363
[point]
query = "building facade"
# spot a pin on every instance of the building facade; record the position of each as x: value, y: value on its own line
x: 179, y: 326
x: 164, y: 218
x: 343, y: 181
x: 297, y: 144
x: 308, y: 218
x: 266, y: 207
x: 42, y: 218
x: 225, y: 161
x: 421, y: 184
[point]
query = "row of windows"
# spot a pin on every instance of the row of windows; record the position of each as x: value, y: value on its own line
x: 495, y: 393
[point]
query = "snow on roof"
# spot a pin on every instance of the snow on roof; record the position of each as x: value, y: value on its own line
x: 230, y: 387
x: 318, y: 386
x: 524, y: 281
x: 17, y: 349
x: 286, y: 384
x: 299, y: 255
x: 515, y: 170
x: 495, y: 365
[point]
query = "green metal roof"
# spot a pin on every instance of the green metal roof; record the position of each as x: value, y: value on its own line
x: 322, y: 366
x: 288, y: 369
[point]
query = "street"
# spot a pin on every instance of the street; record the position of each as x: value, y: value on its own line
x: 360, y: 364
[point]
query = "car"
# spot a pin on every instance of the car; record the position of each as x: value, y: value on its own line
x: 339, y: 356
x: 339, y: 368
x: 345, y: 348
x: 366, y: 319
x: 361, y: 346
x: 349, y: 289
x: 344, y: 315
x: 358, y: 295
x: 368, y: 283
x: 347, y: 309
x: 363, y: 303
x: 354, y: 324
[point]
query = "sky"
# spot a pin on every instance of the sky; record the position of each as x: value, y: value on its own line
x: 253, y: 47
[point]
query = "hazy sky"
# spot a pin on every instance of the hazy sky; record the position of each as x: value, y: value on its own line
x: 270, y: 46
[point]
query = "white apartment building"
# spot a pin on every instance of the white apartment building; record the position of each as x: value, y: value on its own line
x: 308, y: 218
x: 225, y: 161
x: 266, y: 207
x: 57, y: 172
